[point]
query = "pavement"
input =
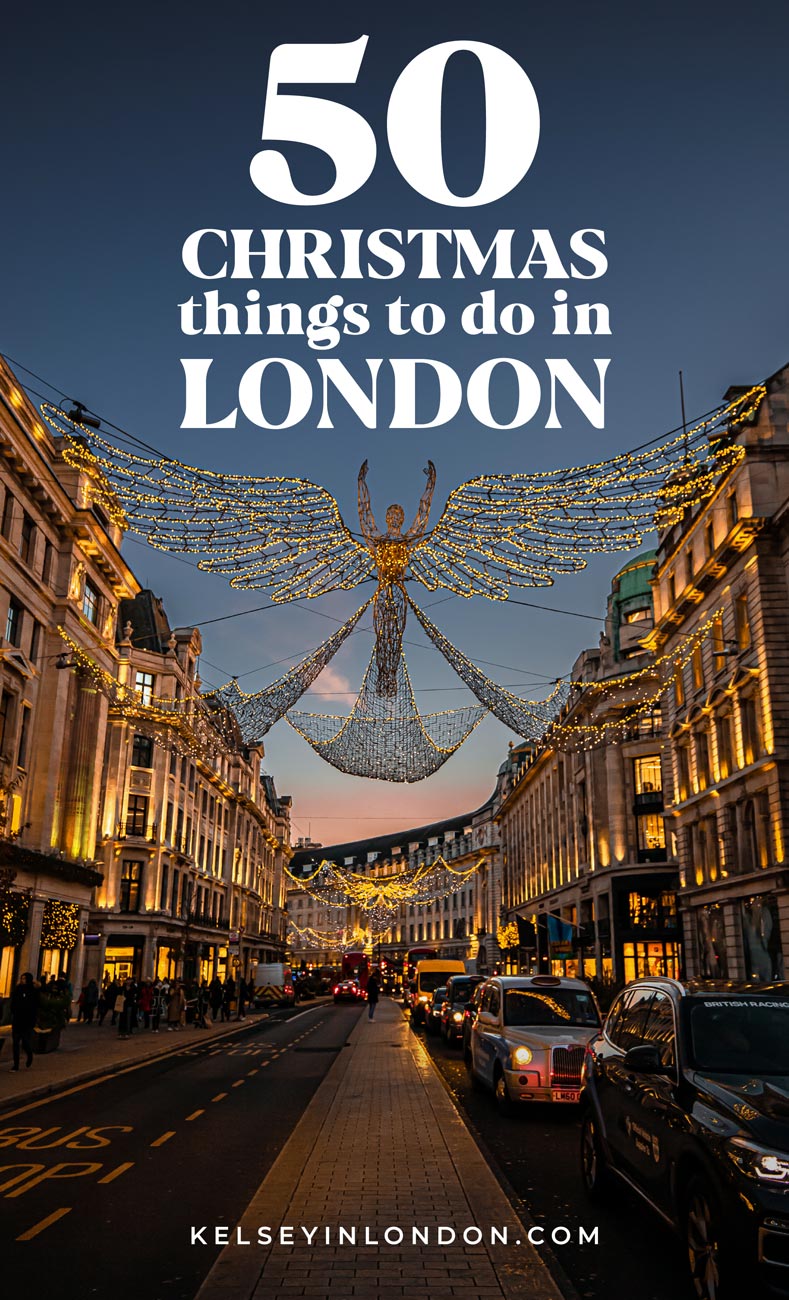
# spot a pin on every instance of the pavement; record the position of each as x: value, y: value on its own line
x: 88, y: 1052
x: 380, y: 1149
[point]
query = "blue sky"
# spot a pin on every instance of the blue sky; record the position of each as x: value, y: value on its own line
x: 664, y: 125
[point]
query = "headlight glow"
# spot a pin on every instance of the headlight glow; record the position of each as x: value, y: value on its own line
x: 759, y: 1162
x: 521, y: 1055
x: 457, y: 1016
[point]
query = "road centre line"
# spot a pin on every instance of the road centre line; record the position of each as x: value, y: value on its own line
x: 45, y: 1223
x: 116, y: 1173
x: 194, y: 1115
x: 238, y: 1083
x: 219, y: 1096
x: 251, y: 1072
x: 160, y: 1141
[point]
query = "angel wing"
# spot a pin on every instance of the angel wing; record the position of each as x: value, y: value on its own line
x: 519, y: 530
x: 281, y: 533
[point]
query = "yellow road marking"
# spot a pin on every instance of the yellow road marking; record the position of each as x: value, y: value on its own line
x: 39, y: 1227
x: 263, y: 1064
x: 250, y: 1073
x: 238, y: 1083
x: 164, y: 1138
x: 116, y: 1173
x: 194, y: 1115
x: 219, y: 1096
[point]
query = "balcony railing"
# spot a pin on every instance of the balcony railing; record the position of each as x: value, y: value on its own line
x: 138, y: 830
x: 649, y: 800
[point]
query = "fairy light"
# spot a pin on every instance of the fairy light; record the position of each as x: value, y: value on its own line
x: 381, y: 897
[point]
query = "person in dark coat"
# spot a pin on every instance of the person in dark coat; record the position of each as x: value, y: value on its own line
x: 372, y: 996
x: 215, y: 996
x: 24, y: 1011
x: 90, y: 999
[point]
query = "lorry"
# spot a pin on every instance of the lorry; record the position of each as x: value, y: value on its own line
x: 274, y: 983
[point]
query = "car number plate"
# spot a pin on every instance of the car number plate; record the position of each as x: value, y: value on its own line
x: 566, y: 1094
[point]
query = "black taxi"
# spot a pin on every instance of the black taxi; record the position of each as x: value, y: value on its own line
x: 686, y: 1101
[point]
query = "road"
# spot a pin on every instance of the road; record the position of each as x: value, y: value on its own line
x: 536, y: 1152
x: 100, y: 1188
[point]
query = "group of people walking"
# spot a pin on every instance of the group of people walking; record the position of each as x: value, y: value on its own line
x: 151, y: 1004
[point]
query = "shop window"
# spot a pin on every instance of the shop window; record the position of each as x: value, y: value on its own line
x: 91, y: 602
x: 711, y: 935
x: 131, y: 886
x: 761, y: 935
x: 144, y: 683
x: 142, y: 751
x: 657, y: 958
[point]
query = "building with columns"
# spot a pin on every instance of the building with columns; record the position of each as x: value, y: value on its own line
x: 60, y: 567
x: 192, y: 837
x: 588, y: 876
x: 131, y: 840
x: 726, y: 565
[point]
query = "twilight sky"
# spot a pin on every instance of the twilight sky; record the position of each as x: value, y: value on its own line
x: 124, y: 131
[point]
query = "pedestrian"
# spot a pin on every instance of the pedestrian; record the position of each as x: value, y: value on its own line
x: 146, y: 1002
x: 127, y: 1000
x: 112, y: 999
x: 175, y: 1007
x: 158, y: 1005
x: 24, y: 1010
x: 228, y: 996
x: 215, y: 996
x: 372, y: 995
x: 90, y: 1000
x: 201, y: 1006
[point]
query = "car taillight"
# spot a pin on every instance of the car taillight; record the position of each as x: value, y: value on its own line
x: 337, y: 989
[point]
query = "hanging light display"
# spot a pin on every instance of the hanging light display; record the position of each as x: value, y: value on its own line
x: 379, y: 897
x: 496, y: 532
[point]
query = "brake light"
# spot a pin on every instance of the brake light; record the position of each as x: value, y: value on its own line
x: 337, y: 989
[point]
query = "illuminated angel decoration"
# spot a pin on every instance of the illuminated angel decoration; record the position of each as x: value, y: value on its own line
x: 497, y: 532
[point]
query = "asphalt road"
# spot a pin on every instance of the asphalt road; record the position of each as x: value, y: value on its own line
x: 536, y: 1152
x: 100, y: 1189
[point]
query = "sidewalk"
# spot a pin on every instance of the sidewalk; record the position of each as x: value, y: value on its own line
x: 89, y: 1051
x: 381, y: 1146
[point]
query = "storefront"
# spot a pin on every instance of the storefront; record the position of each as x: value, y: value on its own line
x: 123, y: 956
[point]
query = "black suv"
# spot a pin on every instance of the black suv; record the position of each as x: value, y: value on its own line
x: 686, y: 1100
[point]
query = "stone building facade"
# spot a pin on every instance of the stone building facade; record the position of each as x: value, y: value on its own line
x: 98, y: 816
x: 726, y: 566
x: 459, y: 923
x: 588, y: 877
x: 60, y: 566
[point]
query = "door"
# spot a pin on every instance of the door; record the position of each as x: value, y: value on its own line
x: 618, y: 1103
x: 658, y: 1118
x: 486, y: 1033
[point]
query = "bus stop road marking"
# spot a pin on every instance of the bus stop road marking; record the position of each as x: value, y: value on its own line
x: 194, y: 1115
x: 160, y: 1141
x: 45, y: 1223
x: 116, y: 1173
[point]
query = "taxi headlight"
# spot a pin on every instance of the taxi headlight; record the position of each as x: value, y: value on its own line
x: 521, y: 1056
x: 423, y: 997
x: 457, y: 1016
x: 759, y: 1162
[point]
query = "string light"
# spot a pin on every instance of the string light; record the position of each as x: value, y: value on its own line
x: 59, y: 924
x: 380, y: 897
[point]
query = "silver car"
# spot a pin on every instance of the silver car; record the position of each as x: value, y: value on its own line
x: 529, y: 1037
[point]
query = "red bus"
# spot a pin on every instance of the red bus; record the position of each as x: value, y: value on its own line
x: 356, y: 966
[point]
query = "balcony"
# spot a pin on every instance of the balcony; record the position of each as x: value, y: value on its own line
x: 652, y: 855
x: 135, y: 830
x: 648, y: 801
x: 208, y: 920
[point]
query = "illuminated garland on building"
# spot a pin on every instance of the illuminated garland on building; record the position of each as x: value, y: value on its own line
x: 387, y: 738
x: 59, y: 924
x: 507, y: 936
x: 14, y: 910
x: 342, y: 940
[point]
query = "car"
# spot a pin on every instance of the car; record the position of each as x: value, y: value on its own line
x: 433, y: 1010
x: 348, y: 991
x: 469, y: 1016
x: 460, y: 989
x: 686, y: 1102
x: 529, y: 1038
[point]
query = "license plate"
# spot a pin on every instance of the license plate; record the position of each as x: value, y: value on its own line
x: 566, y: 1094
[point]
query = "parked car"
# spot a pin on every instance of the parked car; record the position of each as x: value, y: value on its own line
x: 458, y: 996
x: 469, y: 1016
x: 529, y: 1038
x: 348, y: 991
x: 433, y: 1010
x: 686, y: 1102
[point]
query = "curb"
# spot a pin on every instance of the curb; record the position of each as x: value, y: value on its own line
x: 21, y: 1101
